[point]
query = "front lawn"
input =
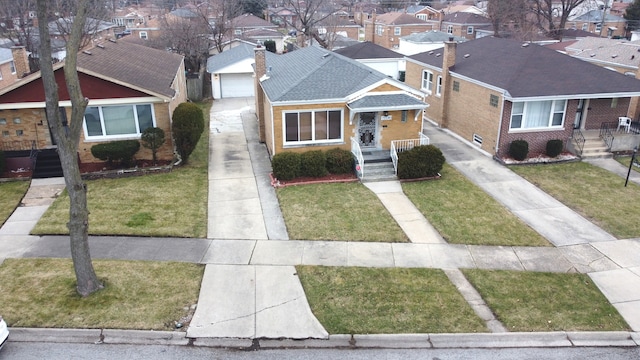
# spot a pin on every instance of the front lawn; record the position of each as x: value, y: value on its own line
x: 338, y: 211
x: 464, y: 214
x: 386, y: 301
x: 11, y: 192
x: 138, y: 295
x: 625, y: 160
x: 595, y: 193
x: 530, y: 301
x: 168, y: 205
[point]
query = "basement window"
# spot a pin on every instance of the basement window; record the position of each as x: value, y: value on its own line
x: 477, y: 139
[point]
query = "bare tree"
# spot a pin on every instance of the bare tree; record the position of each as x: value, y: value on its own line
x: 17, y: 25
x: 551, y: 15
x: 67, y: 136
x: 308, y: 14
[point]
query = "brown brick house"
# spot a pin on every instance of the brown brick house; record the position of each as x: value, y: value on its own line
x: 387, y: 29
x: 492, y: 91
x: 130, y: 87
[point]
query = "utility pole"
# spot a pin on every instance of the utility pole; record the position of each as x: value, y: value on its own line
x: 604, y: 13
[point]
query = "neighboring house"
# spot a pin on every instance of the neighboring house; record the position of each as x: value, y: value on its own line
x: 230, y: 44
x: 376, y: 57
x: 313, y: 99
x: 246, y: 22
x: 423, y: 12
x: 339, y: 26
x: 592, y: 21
x: 261, y: 35
x: 130, y: 88
x: 463, y: 24
x: 493, y: 91
x: 454, y: 8
x: 14, y: 65
x: 620, y: 55
x: 232, y: 72
x: 425, y: 41
x: 387, y: 29
x: 281, y: 16
x: 149, y: 29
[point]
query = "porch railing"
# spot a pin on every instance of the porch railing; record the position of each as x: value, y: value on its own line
x: 398, y: 146
x: 357, y: 152
x: 579, y: 139
x: 606, y: 134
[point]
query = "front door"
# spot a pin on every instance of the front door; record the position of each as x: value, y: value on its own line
x: 577, y: 122
x: 367, y: 128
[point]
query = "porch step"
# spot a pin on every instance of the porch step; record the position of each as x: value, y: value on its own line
x: 47, y: 165
x: 379, y: 171
x: 376, y: 156
x: 595, y: 148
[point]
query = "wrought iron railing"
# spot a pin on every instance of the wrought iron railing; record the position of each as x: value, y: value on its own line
x: 579, y: 139
x: 357, y: 152
x: 398, y: 146
x: 606, y: 134
x: 33, y: 155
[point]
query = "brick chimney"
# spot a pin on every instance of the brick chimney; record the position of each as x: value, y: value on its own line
x: 21, y: 61
x: 260, y: 70
x: 448, y: 62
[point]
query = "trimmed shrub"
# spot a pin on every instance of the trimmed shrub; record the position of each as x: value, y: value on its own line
x: 270, y: 45
x: 153, y: 138
x: 187, y: 128
x: 286, y: 165
x: 313, y: 163
x: 420, y: 162
x: 554, y: 147
x: 339, y: 161
x: 2, y: 162
x: 519, y: 149
x: 120, y: 152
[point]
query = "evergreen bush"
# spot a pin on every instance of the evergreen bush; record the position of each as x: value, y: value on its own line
x: 286, y: 165
x: 420, y: 162
x: 313, y: 163
x: 153, y: 138
x: 187, y: 128
x: 554, y: 147
x: 339, y: 161
x: 116, y: 152
x: 519, y: 149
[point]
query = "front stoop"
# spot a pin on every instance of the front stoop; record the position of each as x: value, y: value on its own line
x: 595, y: 148
x: 378, y: 166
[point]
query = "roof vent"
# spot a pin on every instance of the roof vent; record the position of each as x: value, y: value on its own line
x: 592, y: 55
x: 112, y: 40
x: 325, y: 56
x: 86, y: 52
x: 614, y: 56
x: 100, y: 46
x: 438, y: 54
x: 466, y: 55
x: 431, y: 52
x: 525, y: 45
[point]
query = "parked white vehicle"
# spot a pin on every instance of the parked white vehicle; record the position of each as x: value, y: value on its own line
x: 4, y: 332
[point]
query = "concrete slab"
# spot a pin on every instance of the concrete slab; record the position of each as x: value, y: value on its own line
x: 486, y: 171
x: 543, y: 259
x: 601, y: 338
x: 369, y: 254
x: 251, y: 206
x: 325, y: 253
x: 275, y: 252
x: 519, y: 194
x: 392, y: 341
x: 495, y: 257
x: 15, y: 246
x: 630, y: 311
x: 239, y: 226
x: 503, y: 340
x: 284, y: 313
x: 384, y: 187
x: 226, y: 305
x: 231, y: 170
x: 418, y: 229
x: 449, y: 256
x: 18, y: 227
x: 562, y: 226
x: 229, y: 252
x: 48, y: 181
x: 412, y: 255
x: 585, y: 258
x: 618, y: 286
x: 625, y: 253
x: 232, y: 189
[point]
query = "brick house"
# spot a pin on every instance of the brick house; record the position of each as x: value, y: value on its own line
x: 491, y: 91
x: 387, y: 29
x: 592, y: 21
x: 463, y: 24
x: 14, y: 65
x: 130, y: 87
x: 314, y: 99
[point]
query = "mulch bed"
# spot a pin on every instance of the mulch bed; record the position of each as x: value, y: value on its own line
x: 331, y: 178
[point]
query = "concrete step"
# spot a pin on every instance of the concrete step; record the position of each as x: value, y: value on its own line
x: 379, y: 171
x: 598, y: 155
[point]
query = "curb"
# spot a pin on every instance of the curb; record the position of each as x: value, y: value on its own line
x: 357, y: 341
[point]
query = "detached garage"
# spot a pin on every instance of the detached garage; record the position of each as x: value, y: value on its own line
x: 232, y: 72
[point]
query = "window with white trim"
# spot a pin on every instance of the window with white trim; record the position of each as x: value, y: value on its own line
x: 314, y: 126
x: 117, y: 121
x: 427, y: 80
x: 237, y: 32
x: 585, y: 26
x: 449, y: 29
x: 439, y: 86
x: 470, y: 30
x: 143, y: 35
x: 12, y: 66
x: 422, y: 17
x: 397, y: 30
x: 379, y: 29
x: 0, y: 74
x: 598, y: 27
x: 538, y: 114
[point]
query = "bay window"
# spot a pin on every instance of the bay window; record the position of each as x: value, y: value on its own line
x: 307, y: 127
x: 538, y: 114
x: 117, y: 121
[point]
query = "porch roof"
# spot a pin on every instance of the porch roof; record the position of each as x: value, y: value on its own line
x: 386, y: 102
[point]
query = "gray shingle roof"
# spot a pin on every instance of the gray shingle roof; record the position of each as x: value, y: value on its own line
x: 144, y: 68
x: 607, y: 51
x: 368, y: 50
x: 432, y: 36
x: 530, y: 71
x: 391, y: 101
x: 596, y: 16
x: 5, y: 55
x: 238, y: 53
x: 312, y: 74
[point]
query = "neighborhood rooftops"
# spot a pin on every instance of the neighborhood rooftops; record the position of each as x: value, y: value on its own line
x: 368, y: 50
x: 525, y: 70
x: 237, y: 53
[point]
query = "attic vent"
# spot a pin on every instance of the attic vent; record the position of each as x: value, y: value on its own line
x: 86, y: 52
x: 325, y: 56
x: 592, y: 55
x: 525, y: 45
x: 466, y: 55
x: 438, y: 54
x: 614, y: 56
x: 431, y: 52
x: 100, y: 46
x: 113, y: 40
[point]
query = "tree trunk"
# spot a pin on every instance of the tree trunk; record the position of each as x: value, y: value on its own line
x: 67, y: 136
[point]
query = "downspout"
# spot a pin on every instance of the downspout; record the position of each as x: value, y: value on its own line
x: 499, y: 127
x: 273, y: 135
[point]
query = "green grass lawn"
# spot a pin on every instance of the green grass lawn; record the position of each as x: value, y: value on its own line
x: 171, y: 204
x: 339, y: 211
x: 528, y: 301
x: 595, y: 193
x: 464, y: 214
x: 137, y: 295
x: 11, y: 192
x: 625, y: 160
x: 386, y: 301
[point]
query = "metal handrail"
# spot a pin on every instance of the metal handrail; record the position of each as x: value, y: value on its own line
x: 404, y: 145
x: 33, y: 155
x: 578, y: 137
x: 607, y: 135
x: 357, y: 152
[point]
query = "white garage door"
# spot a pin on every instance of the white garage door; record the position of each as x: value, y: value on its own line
x: 236, y: 85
